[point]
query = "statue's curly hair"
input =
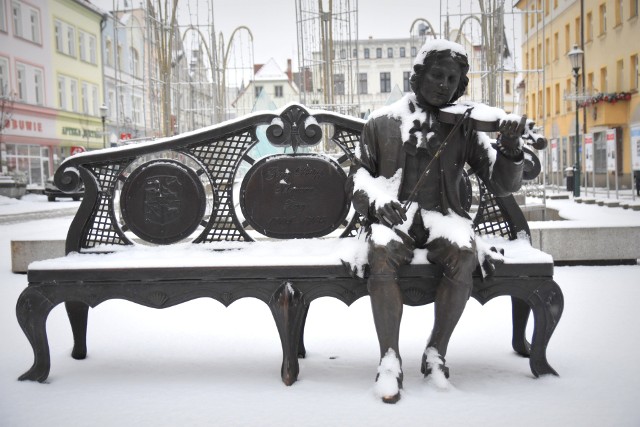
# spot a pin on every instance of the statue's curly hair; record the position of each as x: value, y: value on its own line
x: 419, y: 69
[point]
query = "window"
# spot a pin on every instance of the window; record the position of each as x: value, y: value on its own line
x: 557, y: 99
x: 5, y: 88
x: 590, y: 79
x: 82, y: 45
x: 603, y: 18
x: 547, y: 48
x: 3, y: 18
x: 94, y: 101
x: 378, y: 52
x: 633, y: 8
x: 367, y: 54
x: 546, y: 7
x: 507, y: 87
x: 567, y: 38
x: 634, y: 72
x: 414, y: 51
x: 620, y: 76
x: 526, y: 60
x: 532, y: 113
x: 577, y: 37
x: 338, y: 84
x: 556, y: 46
x: 92, y: 49
x: 355, y: 53
x: 403, y: 52
x: 406, y: 81
x: 279, y: 89
x: 619, y: 12
x: 385, y: 82
x: 389, y: 52
x: 134, y: 62
x: 108, y: 53
x: 589, y: 26
x: 119, y: 57
x: 137, y: 110
x: 539, y: 57
x: 37, y: 87
x: 58, y: 36
x: 362, y: 84
x: 21, y: 76
x: 16, y: 12
x: 62, y: 93
x: 73, y: 91
x: 34, y: 24
x: 604, y: 83
x: 343, y: 54
x: 84, y: 98
x: 540, y: 106
x: 111, y: 105
x: 569, y: 89
x: 71, y: 41
x: 548, y: 101
x: 258, y: 89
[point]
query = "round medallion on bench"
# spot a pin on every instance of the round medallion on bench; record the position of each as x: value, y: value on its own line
x: 294, y: 196
x: 163, y: 201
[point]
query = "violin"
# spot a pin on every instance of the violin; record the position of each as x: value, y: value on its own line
x: 484, y: 118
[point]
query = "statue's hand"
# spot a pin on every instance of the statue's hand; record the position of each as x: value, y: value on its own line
x: 391, y: 214
x: 398, y: 253
x: 510, y: 133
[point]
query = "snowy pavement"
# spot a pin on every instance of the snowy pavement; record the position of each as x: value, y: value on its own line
x: 201, y: 364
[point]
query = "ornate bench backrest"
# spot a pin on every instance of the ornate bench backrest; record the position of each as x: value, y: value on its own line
x: 215, y: 185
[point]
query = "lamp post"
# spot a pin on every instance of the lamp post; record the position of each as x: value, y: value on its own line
x: 575, y: 56
x: 103, y: 116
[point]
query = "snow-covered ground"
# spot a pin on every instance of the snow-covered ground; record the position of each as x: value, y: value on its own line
x: 202, y: 364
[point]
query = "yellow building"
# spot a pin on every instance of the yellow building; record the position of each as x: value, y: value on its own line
x: 77, y: 74
x: 608, y: 32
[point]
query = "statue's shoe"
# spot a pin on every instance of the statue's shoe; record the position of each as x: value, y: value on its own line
x: 389, y: 378
x: 433, y: 366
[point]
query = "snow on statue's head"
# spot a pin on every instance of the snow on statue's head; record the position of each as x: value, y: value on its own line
x: 431, y: 52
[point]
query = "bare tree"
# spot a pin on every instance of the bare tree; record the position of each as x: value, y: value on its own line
x: 6, y: 113
x: 164, y: 25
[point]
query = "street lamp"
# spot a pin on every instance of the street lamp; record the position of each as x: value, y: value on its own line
x: 103, y: 115
x: 575, y: 56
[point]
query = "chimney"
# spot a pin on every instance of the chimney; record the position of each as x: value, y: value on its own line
x: 289, y: 71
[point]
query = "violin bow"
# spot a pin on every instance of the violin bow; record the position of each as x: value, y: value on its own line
x: 423, y: 177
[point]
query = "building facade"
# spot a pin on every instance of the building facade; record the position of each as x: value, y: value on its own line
x: 607, y: 93
x: 51, y: 82
x: 29, y: 130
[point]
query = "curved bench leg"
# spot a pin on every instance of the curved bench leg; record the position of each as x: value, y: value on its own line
x: 520, y: 316
x: 78, y: 313
x: 32, y: 311
x: 547, y: 303
x: 302, y: 351
x: 288, y: 307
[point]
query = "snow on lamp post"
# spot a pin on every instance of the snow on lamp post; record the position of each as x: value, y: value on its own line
x: 103, y: 116
x: 575, y: 56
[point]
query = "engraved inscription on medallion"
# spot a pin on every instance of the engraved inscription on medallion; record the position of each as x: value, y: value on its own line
x: 281, y: 199
x: 162, y: 201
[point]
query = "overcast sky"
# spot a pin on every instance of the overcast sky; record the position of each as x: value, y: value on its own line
x: 273, y: 22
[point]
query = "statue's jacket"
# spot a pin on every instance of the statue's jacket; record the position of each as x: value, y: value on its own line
x: 381, y: 152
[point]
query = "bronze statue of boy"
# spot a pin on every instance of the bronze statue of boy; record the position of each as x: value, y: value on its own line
x: 397, y: 144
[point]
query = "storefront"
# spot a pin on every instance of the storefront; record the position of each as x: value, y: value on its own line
x: 28, y: 139
x: 77, y: 133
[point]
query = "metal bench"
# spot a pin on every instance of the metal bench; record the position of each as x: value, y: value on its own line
x: 204, y: 214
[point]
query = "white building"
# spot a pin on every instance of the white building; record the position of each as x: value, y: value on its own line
x: 268, y: 83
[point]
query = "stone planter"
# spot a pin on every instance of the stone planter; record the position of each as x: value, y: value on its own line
x: 9, y: 187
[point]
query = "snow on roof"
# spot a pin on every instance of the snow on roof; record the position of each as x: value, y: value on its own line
x: 438, y: 44
x: 270, y: 71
